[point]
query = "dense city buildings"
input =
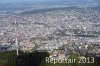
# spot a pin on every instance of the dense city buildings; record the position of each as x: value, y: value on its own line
x: 60, y: 31
x: 50, y: 29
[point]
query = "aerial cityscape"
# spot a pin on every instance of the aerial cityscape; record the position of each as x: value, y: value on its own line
x: 63, y: 33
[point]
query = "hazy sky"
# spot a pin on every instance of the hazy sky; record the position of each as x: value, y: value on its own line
x: 18, y: 0
x: 10, y: 1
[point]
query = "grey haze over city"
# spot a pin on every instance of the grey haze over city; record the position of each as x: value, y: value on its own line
x: 19, y: 4
x: 76, y: 2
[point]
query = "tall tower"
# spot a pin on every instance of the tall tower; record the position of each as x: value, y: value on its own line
x: 16, y: 39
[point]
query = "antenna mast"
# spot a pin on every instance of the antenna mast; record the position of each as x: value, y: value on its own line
x: 16, y: 39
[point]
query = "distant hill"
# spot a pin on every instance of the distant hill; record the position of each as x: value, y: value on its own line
x: 50, y: 2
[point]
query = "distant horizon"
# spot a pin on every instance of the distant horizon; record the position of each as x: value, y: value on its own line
x: 53, y: 2
x: 12, y: 1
